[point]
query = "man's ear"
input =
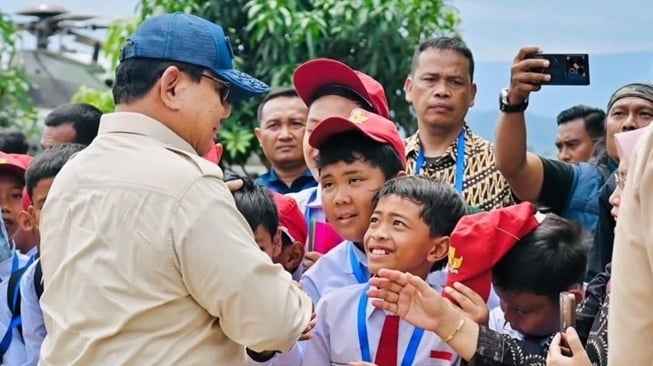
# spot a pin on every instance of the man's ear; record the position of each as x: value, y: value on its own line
x: 408, y: 89
x: 170, y: 86
x: 473, y: 96
x: 25, y: 221
x: 276, y: 244
x: 401, y: 174
x: 439, y: 250
x: 257, y: 133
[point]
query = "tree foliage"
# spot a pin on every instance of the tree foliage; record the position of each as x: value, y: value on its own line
x: 272, y: 37
x: 16, y: 107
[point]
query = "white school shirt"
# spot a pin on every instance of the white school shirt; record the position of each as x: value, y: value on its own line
x: 15, y: 355
x: 335, y: 337
x: 498, y: 323
x: 303, y: 202
x: 334, y: 270
x: 30, y: 311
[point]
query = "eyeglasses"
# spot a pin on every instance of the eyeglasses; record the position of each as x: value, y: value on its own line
x: 225, y: 87
x: 620, y: 180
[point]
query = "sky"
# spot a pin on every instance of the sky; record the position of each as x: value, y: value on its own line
x: 496, y: 29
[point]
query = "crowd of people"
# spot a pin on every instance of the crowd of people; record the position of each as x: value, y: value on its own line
x: 124, y: 242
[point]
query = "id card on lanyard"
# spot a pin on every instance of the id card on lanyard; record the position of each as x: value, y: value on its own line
x: 364, y: 343
x: 460, y: 162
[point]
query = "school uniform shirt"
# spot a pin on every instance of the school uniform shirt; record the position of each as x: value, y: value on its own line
x: 498, y: 323
x: 310, y: 199
x: 336, y: 269
x: 30, y: 311
x: 147, y: 232
x: 15, y: 354
x: 336, y: 338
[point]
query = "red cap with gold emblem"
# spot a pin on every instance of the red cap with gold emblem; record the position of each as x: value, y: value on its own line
x: 371, y: 125
x: 479, y: 242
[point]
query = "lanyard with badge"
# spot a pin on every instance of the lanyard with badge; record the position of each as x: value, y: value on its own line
x: 363, y: 341
x: 460, y: 162
x: 360, y: 272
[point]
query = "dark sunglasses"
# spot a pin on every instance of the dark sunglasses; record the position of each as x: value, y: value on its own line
x: 225, y: 87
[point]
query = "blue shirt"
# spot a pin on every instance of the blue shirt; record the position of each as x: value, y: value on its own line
x: 272, y: 181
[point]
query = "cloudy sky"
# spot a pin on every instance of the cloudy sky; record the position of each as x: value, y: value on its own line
x: 495, y: 29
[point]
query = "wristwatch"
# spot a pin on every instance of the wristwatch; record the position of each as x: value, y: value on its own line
x: 506, y: 107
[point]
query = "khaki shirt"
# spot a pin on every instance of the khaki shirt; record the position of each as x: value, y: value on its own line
x: 630, y: 318
x: 483, y: 186
x: 147, y: 261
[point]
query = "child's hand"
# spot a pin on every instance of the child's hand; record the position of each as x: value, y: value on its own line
x: 310, y: 258
x: 471, y: 303
x: 555, y: 356
x: 307, y: 335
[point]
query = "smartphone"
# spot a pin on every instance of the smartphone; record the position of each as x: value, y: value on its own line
x: 567, y: 318
x: 567, y: 310
x: 566, y: 69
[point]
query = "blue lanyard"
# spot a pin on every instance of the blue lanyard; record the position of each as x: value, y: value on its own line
x: 308, y: 214
x: 14, y: 264
x: 360, y: 272
x: 460, y: 162
x: 363, y: 341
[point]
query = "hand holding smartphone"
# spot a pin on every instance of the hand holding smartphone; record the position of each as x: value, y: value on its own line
x: 567, y: 318
x: 565, y: 69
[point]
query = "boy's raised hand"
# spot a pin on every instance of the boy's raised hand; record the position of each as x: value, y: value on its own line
x: 470, y: 302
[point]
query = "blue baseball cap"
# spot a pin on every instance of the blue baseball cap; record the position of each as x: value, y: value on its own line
x: 190, y: 39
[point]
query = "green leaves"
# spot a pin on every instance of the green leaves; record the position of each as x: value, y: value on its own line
x: 102, y: 100
x: 16, y: 107
x: 272, y: 37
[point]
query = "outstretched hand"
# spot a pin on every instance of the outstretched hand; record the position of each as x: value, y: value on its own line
x: 407, y: 296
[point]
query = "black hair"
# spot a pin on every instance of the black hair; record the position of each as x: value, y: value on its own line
x: 441, y: 206
x: 84, y: 118
x: 351, y: 146
x: 49, y: 163
x: 444, y: 43
x: 344, y: 92
x: 281, y: 92
x: 593, y: 118
x: 13, y: 141
x: 285, y: 241
x: 135, y: 77
x: 256, y: 204
x: 549, y: 260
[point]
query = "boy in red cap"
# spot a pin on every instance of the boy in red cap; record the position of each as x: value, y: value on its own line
x: 408, y: 231
x: 329, y: 88
x: 357, y: 155
x: 529, y: 258
x: 292, y: 226
x: 12, y: 182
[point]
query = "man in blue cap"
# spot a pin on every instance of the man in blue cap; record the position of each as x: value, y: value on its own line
x: 145, y: 257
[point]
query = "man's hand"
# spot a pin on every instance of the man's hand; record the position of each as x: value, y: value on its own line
x: 524, y: 77
x: 557, y: 358
x: 409, y: 297
x: 471, y: 303
x: 310, y: 258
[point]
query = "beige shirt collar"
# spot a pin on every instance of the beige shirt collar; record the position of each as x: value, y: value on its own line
x: 137, y: 123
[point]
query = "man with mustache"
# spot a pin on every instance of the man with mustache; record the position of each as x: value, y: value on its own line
x: 282, y: 121
x: 441, y: 90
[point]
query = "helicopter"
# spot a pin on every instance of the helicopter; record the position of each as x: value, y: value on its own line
x: 56, y: 74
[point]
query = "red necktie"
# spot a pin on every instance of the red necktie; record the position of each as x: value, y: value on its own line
x: 386, y: 354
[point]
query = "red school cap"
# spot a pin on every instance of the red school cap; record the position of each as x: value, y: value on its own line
x: 479, y: 241
x: 312, y: 75
x: 291, y: 220
x: 15, y: 164
x: 369, y: 124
